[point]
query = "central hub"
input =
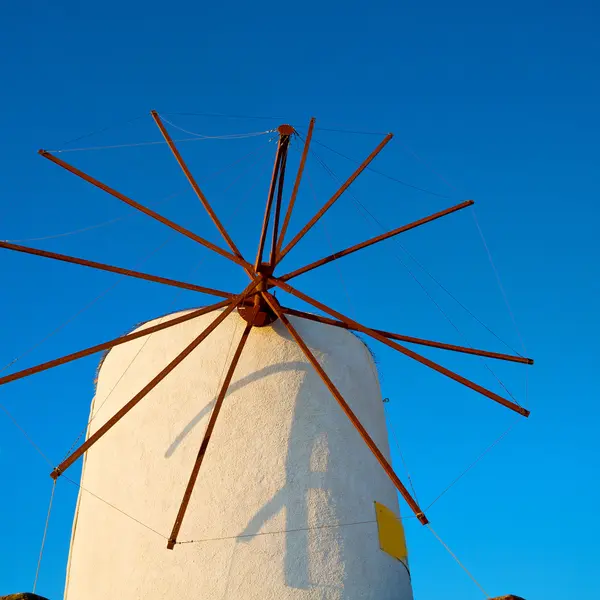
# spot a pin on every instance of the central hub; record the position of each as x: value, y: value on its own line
x: 255, y: 309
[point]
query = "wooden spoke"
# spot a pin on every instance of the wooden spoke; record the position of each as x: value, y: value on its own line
x: 151, y: 385
x: 144, y: 209
x: 104, y: 267
x: 290, y: 208
x: 346, y: 408
x: 412, y: 340
x: 375, y: 240
x: 110, y: 344
x: 196, y: 188
x: 410, y: 353
x: 334, y: 198
x: 207, y: 435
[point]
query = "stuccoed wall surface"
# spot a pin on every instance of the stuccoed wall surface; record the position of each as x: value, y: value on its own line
x: 283, y: 456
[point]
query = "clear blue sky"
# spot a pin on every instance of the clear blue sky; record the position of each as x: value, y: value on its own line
x: 500, y: 99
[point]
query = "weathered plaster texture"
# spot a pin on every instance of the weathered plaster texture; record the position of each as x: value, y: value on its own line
x: 283, y: 456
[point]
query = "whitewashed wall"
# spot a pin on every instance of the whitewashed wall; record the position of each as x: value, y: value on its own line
x: 283, y: 456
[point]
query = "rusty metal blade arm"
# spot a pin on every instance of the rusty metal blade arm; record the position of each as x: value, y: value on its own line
x: 347, y: 410
x: 333, y: 199
x: 207, y: 435
x: 410, y: 353
x: 375, y: 240
x: 110, y: 344
x: 151, y: 385
x: 410, y: 339
x: 144, y: 209
x: 290, y: 208
x: 196, y: 188
x: 104, y: 267
x: 277, y: 211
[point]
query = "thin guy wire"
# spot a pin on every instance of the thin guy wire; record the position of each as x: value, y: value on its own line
x: 457, y: 479
x: 201, y: 135
x: 78, y: 485
x: 463, y: 336
x: 439, y: 539
x: 247, y: 535
x: 159, y: 142
x: 90, y: 227
x: 369, y: 168
x: 498, y: 279
x: 195, y: 114
x: 37, y: 571
x: 489, y: 254
x: 26, y: 435
x: 92, y: 133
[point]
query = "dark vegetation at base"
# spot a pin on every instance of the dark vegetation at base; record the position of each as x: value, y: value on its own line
x: 22, y: 596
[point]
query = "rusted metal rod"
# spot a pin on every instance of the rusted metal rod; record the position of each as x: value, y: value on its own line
x: 144, y: 209
x: 290, y: 208
x: 151, y: 385
x: 333, y: 199
x: 111, y: 343
x: 196, y: 188
x: 104, y: 267
x: 410, y: 353
x: 410, y: 339
x: 346, y: 408
x: 207, y: 435
x: 277, y: 211
x: 375, y: 240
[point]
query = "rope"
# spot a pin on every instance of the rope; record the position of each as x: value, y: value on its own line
x: 247, y: 535
x: 439, y: 539
x: 37, y: 571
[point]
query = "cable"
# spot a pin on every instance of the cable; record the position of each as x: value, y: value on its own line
x: 351, y: 131
x: 495, y: 443
x: 369, y: 168
x: 86, y: 135
x: 63, y: 476
x: 156, y: 143
x: 194, y: 114
x: 37, y: 571
x: 247, y: 535
x: 458, y: 561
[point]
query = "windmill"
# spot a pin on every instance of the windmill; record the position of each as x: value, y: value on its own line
x: 258, y: 307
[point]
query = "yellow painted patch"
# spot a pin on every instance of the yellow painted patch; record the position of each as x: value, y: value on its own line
x: 391, y: 532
